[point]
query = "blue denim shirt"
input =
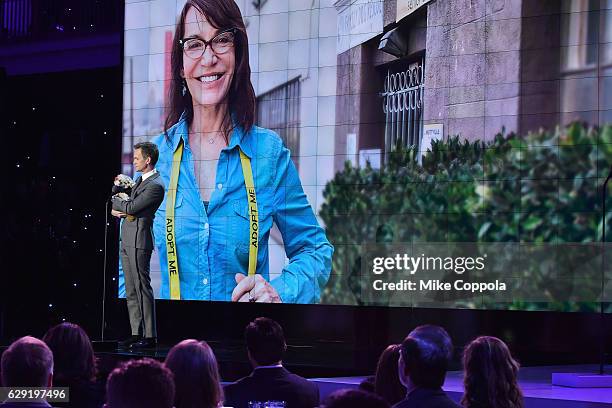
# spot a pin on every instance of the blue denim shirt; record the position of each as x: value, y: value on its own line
x: 212, y: 245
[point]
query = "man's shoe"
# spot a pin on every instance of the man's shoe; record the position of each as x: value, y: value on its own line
x: 145, y: 343
x: 129, y: 341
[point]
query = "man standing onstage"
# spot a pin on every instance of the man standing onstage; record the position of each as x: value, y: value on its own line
x: 137, y: 245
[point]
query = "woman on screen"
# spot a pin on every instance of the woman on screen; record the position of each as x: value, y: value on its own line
x: 227, y: 179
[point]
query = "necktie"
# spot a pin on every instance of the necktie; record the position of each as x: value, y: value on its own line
x: 137, y: 184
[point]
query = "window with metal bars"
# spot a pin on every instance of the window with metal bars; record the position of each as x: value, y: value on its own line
x: 279, y: 110
x: 403, y: 105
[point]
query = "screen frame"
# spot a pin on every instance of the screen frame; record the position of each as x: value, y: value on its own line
x: 359, y: 333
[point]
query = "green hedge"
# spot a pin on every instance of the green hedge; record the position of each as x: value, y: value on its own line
x: 543, y: 187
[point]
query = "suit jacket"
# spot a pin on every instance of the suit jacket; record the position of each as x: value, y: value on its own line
x: 427, y: 398
x: 272, y: 384
x: 144, y: 201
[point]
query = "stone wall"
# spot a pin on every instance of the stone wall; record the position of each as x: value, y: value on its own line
x: 348, y: 101
x: 472, y: 66
x: 540, y: 65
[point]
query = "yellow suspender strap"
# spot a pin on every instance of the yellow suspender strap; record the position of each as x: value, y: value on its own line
x: 173, y: 266
x: 253, y: 215
x: 171, y: 250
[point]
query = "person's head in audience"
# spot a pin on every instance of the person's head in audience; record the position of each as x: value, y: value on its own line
x: 424, y: 358
x: 367, y: 384
x: 265, y: 342
x: 386, y: 382
x: 490, y: 377
x: 72, y: 352
x: 28, y: 362
x: 144, y: 383
x: 196, y: 375
x: 353, y: 399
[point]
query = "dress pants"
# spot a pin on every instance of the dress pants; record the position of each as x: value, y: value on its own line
x: 138, y: 290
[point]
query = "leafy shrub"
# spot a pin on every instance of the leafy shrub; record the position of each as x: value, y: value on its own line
x: 544, y: 187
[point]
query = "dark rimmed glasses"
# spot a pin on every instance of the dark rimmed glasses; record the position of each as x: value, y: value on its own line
x: 195, y: 47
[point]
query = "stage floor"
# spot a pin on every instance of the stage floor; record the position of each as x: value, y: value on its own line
x: 534, y: 381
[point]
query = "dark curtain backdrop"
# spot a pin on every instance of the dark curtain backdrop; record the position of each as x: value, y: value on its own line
x: 60, y: 151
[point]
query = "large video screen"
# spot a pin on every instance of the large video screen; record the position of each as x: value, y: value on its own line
x: 441, y: 153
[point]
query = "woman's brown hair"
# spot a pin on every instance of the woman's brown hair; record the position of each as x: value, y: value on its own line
x: 221, y: 14
x: 73, y: 353
x: 490, y: 375
x: 196, y: 375
x: 386, y: 382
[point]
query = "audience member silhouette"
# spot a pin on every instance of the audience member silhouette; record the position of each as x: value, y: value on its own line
x: 28, y: 362
x: 423, y: 362
x: 269, y: 381
x: 196, y: 375
x: 367, y: 384
x: 74, y: 366
x: 386, y: 381
x: 490, y: 375
x: 144, y: 383
x: 354, y: 399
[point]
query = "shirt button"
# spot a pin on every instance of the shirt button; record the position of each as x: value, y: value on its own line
x: 206, y: 226
x: 205, y: 281
x: 219, y: 186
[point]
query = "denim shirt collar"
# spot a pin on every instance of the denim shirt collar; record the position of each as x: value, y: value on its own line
x: 237, y: 138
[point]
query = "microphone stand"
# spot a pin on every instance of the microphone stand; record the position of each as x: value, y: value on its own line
x: 104, y: 270
x: 602, y: 316
x: 111, y: 345
x: 103, y: 344
x: 106, y: 211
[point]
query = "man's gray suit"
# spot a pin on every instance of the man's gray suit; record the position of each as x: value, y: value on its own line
x: 136, y: 247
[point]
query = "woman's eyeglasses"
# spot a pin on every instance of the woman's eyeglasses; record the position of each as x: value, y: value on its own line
x: 220, y: 44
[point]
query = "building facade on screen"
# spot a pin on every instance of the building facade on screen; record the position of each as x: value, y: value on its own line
x: 468, y: 67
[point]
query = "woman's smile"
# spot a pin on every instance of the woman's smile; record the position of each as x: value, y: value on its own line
x: 207, y: 79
